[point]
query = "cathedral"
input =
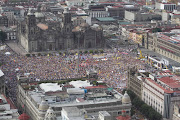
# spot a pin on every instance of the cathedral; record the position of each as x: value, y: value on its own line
x: 36, y: 34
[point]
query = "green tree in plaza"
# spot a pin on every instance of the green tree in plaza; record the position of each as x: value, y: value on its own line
x: 3, y: 36
x: 101, y: 51
x: 90, y: 51
x: 96, y: 51
x: 86, y: 52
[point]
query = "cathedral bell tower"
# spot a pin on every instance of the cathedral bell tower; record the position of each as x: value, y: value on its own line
x: 66, y: 16
x: 31, y: 22
x: 67, y: 28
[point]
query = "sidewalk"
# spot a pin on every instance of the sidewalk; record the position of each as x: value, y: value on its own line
x: 16, y: 47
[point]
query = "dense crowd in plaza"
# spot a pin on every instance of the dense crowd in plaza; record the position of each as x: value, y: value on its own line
x: 111, y: 66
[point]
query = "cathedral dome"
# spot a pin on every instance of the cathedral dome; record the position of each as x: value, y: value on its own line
x: 38, y: 14
x: 84, y: 25
x: 76, y: 29
x: 50, y: 115
x: 126, y: 99
x: 43, y: 106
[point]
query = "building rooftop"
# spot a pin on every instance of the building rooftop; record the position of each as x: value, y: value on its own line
x: 93, y: 87
x: 105, y: 19
x: 53, y: 87
x: 42, y: 26
x: 104, y: 113
x: 73, y: 96
x: 170, y: 82
x: 171, y: 37
x: 162, y: 88
x: 124, y: 22
x: 7, y: 111
x: 80, y: 84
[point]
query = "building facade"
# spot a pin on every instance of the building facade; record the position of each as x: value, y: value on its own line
x: 36, y: 34
x: 135, y: 81
x: 36, y: 103
x: 165, y: 6
x: 7, y: 112
x: 176, y: 114
x: 166, y: 44
x: 139, y: 17
x: 3, y: 21
x: 159, y: 90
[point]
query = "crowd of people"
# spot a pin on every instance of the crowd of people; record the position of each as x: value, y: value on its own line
x: 111, y: 66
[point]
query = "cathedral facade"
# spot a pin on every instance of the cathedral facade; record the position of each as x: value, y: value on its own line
x: 36, y: 34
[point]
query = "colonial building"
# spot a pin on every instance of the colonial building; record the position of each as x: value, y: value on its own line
x: 43, y: 102
x: 160, y: 90
x: 166, y: 44
x: 3, y: 21
x: 37, y: 34
x: 176, y: 114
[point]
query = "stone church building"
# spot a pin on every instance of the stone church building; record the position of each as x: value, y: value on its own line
x: 36, y: 34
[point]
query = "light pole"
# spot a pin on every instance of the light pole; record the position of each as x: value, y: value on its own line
x: 78, y: 49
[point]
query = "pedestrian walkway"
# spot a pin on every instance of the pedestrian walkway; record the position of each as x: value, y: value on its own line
x: 16, y: 47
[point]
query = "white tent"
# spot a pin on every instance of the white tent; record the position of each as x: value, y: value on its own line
x: 1, y: 73
x: 7, y: 53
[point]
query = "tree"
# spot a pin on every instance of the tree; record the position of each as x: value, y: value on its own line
x: 28, y: 55
x: 96, y: 51
x: 86, y: 52
x: 144, y: 108
x: 90, y: 51
x: 137, y: 103
x: 39, y: 54
x: 101, y: 51
x: 3, y: 36
x: 132, y: 111
x: 151, y: 114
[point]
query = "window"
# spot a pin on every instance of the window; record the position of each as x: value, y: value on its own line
x: 119, y: 112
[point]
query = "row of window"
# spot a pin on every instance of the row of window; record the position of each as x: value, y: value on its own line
x: 167, y: 43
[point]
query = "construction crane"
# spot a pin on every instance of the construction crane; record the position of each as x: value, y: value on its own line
x: 140, y: 54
